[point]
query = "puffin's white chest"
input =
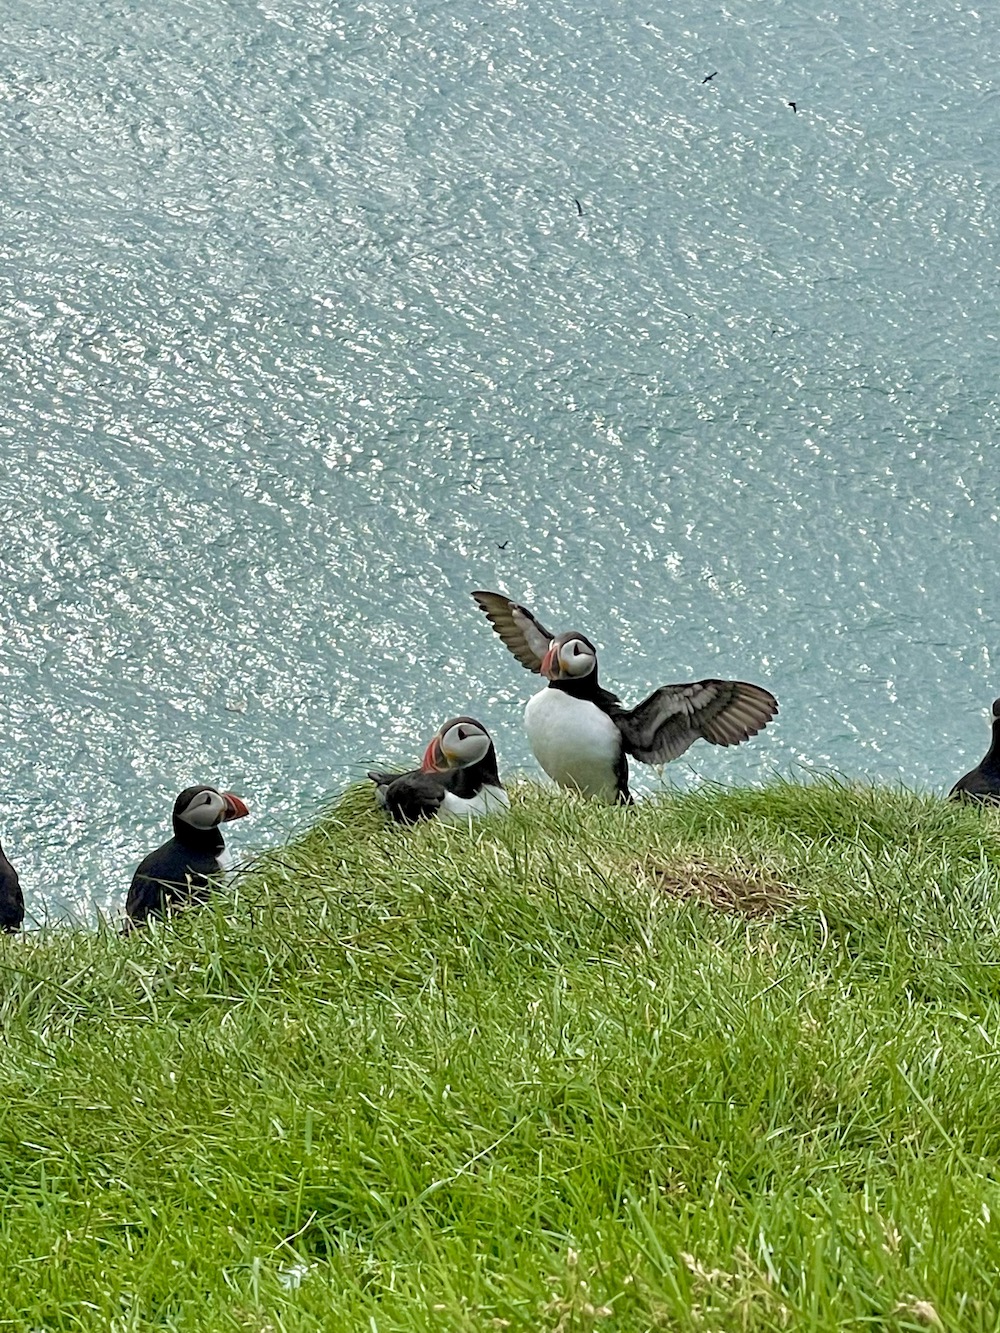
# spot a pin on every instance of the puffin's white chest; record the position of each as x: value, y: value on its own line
x: 576, y: 744
x: 487, y: 801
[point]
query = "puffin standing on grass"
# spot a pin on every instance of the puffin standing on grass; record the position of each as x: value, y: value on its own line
x: 184, y: 869
x: 582, y: 735
x: 981, y: 784
x: 456, y: 781
x: 11, y: 897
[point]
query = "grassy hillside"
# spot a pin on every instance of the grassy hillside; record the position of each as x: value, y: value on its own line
x: 723, y: 1062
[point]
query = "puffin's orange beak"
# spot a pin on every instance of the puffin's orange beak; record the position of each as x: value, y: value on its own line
x: 235, y: 806
x: 433, y: 760
x: 550, y: 664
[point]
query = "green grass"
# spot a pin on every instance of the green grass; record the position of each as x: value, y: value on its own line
x: 530, y: 1077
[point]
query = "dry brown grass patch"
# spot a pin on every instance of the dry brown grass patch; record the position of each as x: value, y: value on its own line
x: 738, y: 888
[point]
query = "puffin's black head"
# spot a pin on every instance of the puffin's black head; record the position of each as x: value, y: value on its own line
x: 570, y: 657
x: 458, y: 743
x: 200, y: 809
x: 996, y: 710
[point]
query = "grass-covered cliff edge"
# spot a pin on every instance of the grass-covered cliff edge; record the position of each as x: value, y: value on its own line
x: 725, y: 1061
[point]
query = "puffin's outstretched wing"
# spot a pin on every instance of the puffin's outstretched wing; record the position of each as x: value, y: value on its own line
x: 722, y: 712
x: 526, y: 637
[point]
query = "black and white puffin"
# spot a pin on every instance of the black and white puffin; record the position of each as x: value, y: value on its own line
x: 982, y: 783
x: 183, y: 870
x: 582, y: 735
x: 11, y: 897
x: 457, y: 779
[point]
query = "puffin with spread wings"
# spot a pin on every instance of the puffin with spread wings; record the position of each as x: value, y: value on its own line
x: 582, y: 734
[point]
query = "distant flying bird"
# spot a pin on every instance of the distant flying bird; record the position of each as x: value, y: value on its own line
x: 579, y: 207
x: 502, y: 546
x: 794, y: 107
x: 709, y: 77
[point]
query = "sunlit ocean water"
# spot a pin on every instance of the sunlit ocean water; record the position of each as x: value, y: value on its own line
x: 304, y: 335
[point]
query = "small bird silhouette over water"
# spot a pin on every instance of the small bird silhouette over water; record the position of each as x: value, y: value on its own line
x: 794, y: 107
x: 709, y: 77
x: 502, y: 546
x: 579, y: 207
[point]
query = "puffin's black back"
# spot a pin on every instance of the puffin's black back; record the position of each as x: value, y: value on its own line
x: 982, y: 783
x: 171, y: 876
x: 11, y: 897
x: 409, y: 797
x: 977, y: 789
x: 178, y: 873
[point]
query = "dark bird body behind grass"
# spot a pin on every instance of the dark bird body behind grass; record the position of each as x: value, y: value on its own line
x: 982, y: 783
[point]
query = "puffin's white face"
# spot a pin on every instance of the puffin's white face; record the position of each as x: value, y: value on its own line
x: 570, y: 657
x: 459, y: 744
x: 205, y: 810
x: 464, y: 743
x: 208, y: 807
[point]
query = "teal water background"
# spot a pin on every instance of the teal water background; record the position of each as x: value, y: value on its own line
x: 301, y: 323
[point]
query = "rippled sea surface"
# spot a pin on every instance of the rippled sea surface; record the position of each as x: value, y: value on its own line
x: 317, y: 315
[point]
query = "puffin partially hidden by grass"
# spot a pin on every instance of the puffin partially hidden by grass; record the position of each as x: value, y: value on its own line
x: 11, y: 897
x: 582, y: 735
x: 982, y: 783
x: 457, y: 779
x: 183, y: 870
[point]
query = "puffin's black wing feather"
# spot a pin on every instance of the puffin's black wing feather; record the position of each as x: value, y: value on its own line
x: 411, y: 797
x: 146, y: 898
x: 722, y: 712
x: 526, y: 637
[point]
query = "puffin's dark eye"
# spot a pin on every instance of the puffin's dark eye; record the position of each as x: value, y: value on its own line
x: 462, y: 733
